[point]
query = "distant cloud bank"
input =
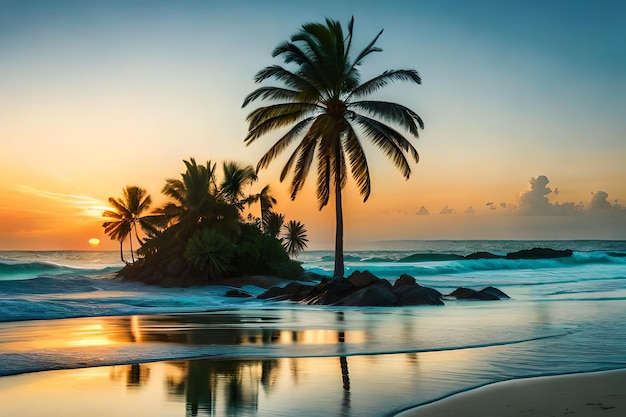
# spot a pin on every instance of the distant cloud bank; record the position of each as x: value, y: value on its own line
x: 536, y: 202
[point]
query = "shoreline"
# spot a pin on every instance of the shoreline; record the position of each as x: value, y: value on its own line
x: 582, y: 394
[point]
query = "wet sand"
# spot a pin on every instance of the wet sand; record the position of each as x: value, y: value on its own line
x: 587, y: 395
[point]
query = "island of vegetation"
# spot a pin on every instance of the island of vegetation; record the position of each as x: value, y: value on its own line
x: 200, y: 236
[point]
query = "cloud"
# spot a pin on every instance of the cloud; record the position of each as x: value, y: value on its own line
x: 86, y: 206
x: 423, y: 211
x: 599, y: 201
x: 535, y: 202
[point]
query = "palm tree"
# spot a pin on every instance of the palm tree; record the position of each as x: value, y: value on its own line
x: 295, y: 238
x: 273, y: 223
x: 197, y: 201
x: 127, y: 216
x: 236, y: 177
x: 322, y: 103
x: 266, y: 201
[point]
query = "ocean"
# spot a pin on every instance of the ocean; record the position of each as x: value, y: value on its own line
x: 70, y: 330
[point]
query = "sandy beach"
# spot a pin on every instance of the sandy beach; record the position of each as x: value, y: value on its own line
x: 587, y: 395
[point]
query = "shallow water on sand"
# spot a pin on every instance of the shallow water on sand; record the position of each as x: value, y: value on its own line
x: 350, y: 362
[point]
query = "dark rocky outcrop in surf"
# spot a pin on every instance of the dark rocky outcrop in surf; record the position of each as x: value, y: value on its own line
x: 364, y: 289
x: 489, y: 293
x: 539, y: 253
x: 534, y: 253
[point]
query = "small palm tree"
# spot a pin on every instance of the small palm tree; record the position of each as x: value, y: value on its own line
x: 322, y: 103
x: 274, y: 224
x: 266, y: 201
x: 295, y: 238
x: 197, y: 201
x: 127, y: 216
x: 236, y: 177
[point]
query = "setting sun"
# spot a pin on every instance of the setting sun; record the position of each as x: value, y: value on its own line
x: 94, y: 242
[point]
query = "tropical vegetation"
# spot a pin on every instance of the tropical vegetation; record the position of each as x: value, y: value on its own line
x: 199, y: 232
x: 128, y: 213
x: 321, y: 107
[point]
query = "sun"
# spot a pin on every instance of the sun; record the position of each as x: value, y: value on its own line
x: 94, y: 242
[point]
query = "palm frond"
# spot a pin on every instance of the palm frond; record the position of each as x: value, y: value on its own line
x: 289, y: 111
x: 301, y: 157
x: 276, y: 122
x: 392, y: 112
x: 370, y: 48
x: 291, y: 79
x: 380, y: 81
x: 386, y: 139
x: 271, y: 93
x: 323, y: 175
x: 283, y: 143
x: 358, y: 164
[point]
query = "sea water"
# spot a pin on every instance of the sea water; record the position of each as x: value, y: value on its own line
x: 62, y: 314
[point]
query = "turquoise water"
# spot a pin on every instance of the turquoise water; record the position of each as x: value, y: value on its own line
x: 62, y: 314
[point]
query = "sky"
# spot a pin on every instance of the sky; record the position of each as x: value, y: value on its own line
x: 524, y: 104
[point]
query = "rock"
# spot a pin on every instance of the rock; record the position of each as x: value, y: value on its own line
x: 374, y: 295
x: 403, y: 280
x: 431, y: 257
x: 489, y: 293
x: 413, y: 295
x: 539, y: 253
x: 292, y: 291
x: 238, y: 294
x: 494, y: 292
x: 462, y: 293
x: 362, y: 279
x: 482, y: 255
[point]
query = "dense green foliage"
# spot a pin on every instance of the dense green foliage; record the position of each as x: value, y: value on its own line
x: 200, y: 230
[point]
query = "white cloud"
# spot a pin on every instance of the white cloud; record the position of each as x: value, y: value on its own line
x: 535, y: 202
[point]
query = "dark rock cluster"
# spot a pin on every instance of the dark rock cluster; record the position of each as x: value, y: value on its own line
x: 534, y: 253
x: 364, y: 289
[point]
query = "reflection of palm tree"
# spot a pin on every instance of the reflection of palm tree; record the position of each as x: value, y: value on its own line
x: 321, y: 102
x: 137, y: 375
x: 237, y: 380
x: 126, y: 216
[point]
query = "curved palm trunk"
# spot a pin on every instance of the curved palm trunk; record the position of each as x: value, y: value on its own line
x: 122, y: 251
x: 130, y: 238
x: 338, y: 274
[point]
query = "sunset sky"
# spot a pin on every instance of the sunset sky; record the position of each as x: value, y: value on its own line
x: 524, y: 104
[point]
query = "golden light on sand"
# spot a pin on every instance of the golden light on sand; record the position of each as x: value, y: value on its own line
x: 94, y: 242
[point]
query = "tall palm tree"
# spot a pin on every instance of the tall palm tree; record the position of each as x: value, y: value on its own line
x: 266, y: 201
x: 127, y: 216
x: 295, y: 238
x: 322, y: 102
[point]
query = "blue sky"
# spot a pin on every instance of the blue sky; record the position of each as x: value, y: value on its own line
x: 97, y: 95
